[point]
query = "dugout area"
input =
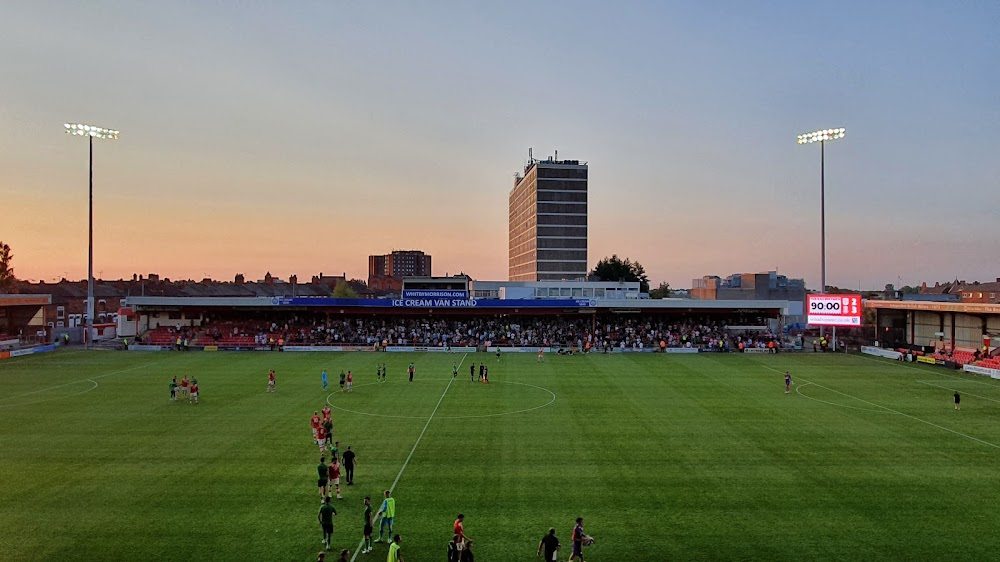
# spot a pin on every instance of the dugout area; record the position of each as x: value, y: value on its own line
x: 21, y: 315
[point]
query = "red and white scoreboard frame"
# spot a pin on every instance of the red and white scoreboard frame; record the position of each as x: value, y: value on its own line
x: 834, y: 310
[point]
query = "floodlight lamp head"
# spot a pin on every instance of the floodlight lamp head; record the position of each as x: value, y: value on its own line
x: 78, y: 129
x: 821, y: 136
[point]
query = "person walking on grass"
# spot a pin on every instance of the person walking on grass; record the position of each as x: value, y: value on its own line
x: 788, y: 382
x: 334, y: 471
x: 459, y: 529
x: 579, y: 538
x: 325, y: 517
x: 343, y: 381
x: 328, y: 426
x: 323, y: 378
x: 550, y: 545
x: 323, y: 471
x: 958, y: 401
x: 349, y: 460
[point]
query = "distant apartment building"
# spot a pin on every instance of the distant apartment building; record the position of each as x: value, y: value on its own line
x: 547, y: 222
x: 749, y: 286
x: 386, y: 272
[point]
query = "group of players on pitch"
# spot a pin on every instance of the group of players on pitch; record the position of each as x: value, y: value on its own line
x: 185, y: 389
x: 329, y: 475
x: 328, y: 483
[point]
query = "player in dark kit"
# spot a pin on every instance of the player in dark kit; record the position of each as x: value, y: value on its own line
x: 472, y: 372
x: 349, y: 460
x: 367, y: 547
x: 482, y: 366
x: 498, y: 355
x: 323, y: 475
x: 550, y: 544
x: 325, y: 516
x: 788, y: 382
x: 411, y: 372
x: 958, y: 401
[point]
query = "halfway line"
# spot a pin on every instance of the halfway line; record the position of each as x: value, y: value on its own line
x: 413, y: 450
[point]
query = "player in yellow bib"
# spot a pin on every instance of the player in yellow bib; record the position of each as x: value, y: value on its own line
x: 394, y: 554
x: 388, y: 511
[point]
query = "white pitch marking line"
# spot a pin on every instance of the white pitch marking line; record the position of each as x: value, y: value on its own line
x: 413, y: 450
x: 55, y: 397
x: 931, y: 383
x: 79, y: 381
x: 798, y: 390
x: 926, y: 371
x: 995, y: 446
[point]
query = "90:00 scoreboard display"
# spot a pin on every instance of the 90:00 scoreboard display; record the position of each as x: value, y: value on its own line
x: 834, y: 310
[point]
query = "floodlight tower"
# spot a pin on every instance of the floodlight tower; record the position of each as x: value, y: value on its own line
x: 90, y: 132
x: 822, y: 136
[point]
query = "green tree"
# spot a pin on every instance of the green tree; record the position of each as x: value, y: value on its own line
x: 661, y: 292
x: 6, y: 271
x: 343, y: 290
x: 616, y: 269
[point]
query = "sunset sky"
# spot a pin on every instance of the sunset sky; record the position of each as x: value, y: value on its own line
x: 300, y: 137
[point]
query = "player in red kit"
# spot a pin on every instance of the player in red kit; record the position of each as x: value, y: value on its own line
x: 270, y: 381
x: 321, y: 438
x: 314, y: 421
x: 194, y: 393
x: 334, y: 470
x: 326, y: 413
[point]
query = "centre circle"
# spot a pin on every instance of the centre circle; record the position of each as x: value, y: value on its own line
x: 549, y: 398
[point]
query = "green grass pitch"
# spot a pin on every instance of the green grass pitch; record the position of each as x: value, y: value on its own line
x: 667, y: 457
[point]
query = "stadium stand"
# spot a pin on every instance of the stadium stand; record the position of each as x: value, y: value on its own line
x: 605, y: 331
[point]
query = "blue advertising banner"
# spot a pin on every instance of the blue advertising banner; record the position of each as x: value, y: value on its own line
x: 435, y: 294
x: 434, y: 303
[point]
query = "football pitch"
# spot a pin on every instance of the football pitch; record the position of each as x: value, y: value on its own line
x: 667, y: 457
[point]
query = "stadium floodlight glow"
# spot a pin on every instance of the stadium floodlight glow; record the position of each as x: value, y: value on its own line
x: 821, y: 136
x: 91, y: 132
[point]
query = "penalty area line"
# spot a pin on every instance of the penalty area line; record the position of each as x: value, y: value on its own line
x: 915, y: 418
x: 413, y: 450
